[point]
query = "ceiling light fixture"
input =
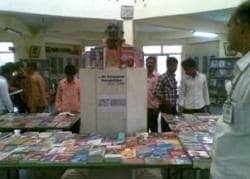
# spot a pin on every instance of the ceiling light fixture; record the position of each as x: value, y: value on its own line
x: 204, y: 34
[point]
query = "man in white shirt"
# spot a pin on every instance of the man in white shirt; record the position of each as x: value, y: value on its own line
x: 5, y: 101
x: 231, y: 158
x: 194, y: 97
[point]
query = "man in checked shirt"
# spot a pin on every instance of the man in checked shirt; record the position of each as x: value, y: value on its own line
x: 166, y: 91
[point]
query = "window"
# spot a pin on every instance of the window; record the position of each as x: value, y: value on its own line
x: 6, y: 54
x: 88, y: 48
x: 172, y: 49
x: 162, y: 52
x: 152, y: 49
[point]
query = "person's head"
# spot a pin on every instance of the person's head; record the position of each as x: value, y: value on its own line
x: 114, y: 34
x: 239, y: 29
x: 19, y: 69
x: 70, y: 72
x: 189, y: 66
x: 7, y: 70
x: 172, y: 64
x: 150, y: 64
x: 31, y: 68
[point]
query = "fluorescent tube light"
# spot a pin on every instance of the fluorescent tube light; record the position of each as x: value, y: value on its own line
x: 204, y: 34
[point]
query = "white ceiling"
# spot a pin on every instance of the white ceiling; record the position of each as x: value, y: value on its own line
x: 216, y: 16
x: 92, y: 29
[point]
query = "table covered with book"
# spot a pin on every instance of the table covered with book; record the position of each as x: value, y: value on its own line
x: 196, y: 135
x: 38, y: 122
x: 69, y: 150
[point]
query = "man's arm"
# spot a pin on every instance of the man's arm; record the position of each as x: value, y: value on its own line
x: 205, y: 92
x: 4, y: 93
x: 58, y: 102
x: 159, y: 89
x: 42, y: 90
x: 182, y: 95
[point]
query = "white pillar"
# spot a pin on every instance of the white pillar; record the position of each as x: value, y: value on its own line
x: 128, y: 28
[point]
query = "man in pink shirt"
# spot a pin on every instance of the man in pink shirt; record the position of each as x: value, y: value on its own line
x: 68, y: 92
x: 153, y: 103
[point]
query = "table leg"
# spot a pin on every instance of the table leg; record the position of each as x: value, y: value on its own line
x: 133, y: 173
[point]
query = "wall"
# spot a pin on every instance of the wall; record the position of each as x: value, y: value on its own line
x: 23, y: 44
x: 222, y: 43
x: 199, y: 49
x: 202, y: 51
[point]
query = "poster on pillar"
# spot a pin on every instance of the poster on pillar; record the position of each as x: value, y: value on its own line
x: 111, y: 100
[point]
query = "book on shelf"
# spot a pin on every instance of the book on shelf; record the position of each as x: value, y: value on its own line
x: 222, y: 64
x: 214, y: 63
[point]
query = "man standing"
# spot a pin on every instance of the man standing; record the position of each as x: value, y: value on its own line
x: 166, y: 91
x: 5, y: 101
x: 231, y: 157
x: 153, y: 102
x: 37, y: 101
x: 194, y: 96
x: 68, y: 92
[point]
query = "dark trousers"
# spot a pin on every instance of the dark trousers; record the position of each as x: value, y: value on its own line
x: 191, y: 111
x: 164, y: 124
x: 152, y: 115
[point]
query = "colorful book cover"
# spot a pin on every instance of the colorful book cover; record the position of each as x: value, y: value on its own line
x: 112, y: 58
x: 129, y: 153
x: 80, y: 158
x: 65, y: 157
x: 48, y: 158
x: 34, y: 156
x: 127, y: 58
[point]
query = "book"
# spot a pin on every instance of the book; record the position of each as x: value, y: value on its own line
x: 34, y: 156
x: 129, y: 153
x: 96, y: 154
x: 81, y: 157
x: 144, y: 151
x: 64, y: 157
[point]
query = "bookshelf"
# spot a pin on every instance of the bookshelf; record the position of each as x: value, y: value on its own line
x: 220, y: 71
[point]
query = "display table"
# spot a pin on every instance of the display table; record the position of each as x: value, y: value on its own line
x: 68, y: 150
x: 39, y: 122
x: 196, y: 134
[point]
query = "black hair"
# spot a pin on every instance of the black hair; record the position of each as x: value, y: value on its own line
x: 171, y: 60
x: 151, y: 58
x: 242, y: 13
x: 7, y: 68
x: 70, y: 70
x: 114, y: 29
x: 189, y: 63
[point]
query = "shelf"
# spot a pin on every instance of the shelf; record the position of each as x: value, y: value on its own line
x: 218, y: 96
x: 223, y: 68
x: 221, y: 77
x: 216, y: 87
x: 220, y: 70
